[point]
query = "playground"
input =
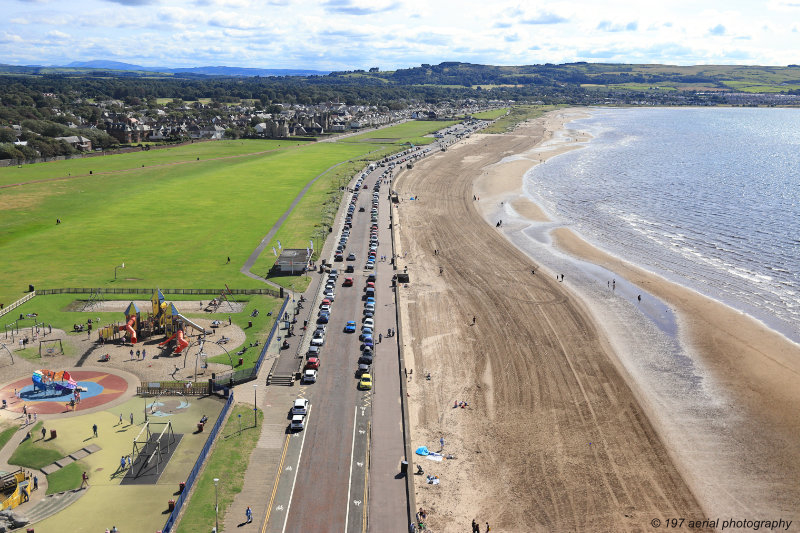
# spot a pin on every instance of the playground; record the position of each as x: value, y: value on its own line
x: 160, y: 434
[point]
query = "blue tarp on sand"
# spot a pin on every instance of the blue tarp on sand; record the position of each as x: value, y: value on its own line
x: 422, y: 450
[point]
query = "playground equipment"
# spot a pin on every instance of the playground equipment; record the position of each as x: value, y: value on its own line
x: 19, y: 481
x: 4, y: 348
x: 175, y: 327
x: 48, y: 381
x: 131, y: 317
x: 94, y: 299
x: 150, y: 447
x: 51, y: 347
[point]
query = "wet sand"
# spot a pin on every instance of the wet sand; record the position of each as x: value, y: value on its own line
x: 565, y: 406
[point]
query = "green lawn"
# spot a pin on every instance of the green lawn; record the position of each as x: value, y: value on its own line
x: 7, y: 431
x: 67, y: 478
x: 516, y: 115
x: 412, y: 131
x: 491, y: 114
x: 172, y: 225
x: 228, y: 463
x: 34, y: 452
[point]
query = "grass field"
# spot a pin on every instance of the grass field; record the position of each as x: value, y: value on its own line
x: 516, y: 115
x: 171, y: 224
x: 491, y: 114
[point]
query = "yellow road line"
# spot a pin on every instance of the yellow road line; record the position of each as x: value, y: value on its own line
x: 275, y: 486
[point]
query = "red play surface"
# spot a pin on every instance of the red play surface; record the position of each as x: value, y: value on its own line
x: 113, y: 388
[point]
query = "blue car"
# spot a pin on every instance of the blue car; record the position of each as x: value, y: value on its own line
x: 350, y: 327
x: 323, y: 318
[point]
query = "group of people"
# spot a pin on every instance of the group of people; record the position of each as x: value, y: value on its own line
x: 142, y: 353
x: 476, y: 527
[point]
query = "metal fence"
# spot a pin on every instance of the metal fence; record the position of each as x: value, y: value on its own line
x: 198, y: 465
x: 98, y: 290
x: 173, y: 389
x: 235, y: 377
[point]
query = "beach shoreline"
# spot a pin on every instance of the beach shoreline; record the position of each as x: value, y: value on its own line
x: 756, y: 369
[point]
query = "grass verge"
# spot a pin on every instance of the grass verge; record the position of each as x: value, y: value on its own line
x: 33, y: 452
x: 67, y: 478
x: 228, y: 462
x: 6, y: 434
x: 516, y: 115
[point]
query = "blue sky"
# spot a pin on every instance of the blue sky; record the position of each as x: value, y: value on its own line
x: 351, y: 34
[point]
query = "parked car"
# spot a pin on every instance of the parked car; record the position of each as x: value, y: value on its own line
x: 300, y: 406
x: 351, y: 256
x: 368, y: 322
x: 362, y: 369
x: 313, y: 363
x: 298, y: 422
x: 310, y: 376
x: 365, y: 359
x: 366, y: 382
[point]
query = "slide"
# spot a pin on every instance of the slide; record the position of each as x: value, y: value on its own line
x: 182, y: 342
x: 165, y: 341
x: 189, y: 322
x: 129, y: 328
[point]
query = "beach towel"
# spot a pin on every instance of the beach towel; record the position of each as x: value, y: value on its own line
x: 435, y: 457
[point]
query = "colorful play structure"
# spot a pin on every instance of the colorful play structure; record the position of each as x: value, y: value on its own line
x: 17, y: 486
x: 164, y: 319
x: 48, y: 381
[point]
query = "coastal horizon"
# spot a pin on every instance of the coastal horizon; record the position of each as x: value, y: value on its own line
x: 707, y: 377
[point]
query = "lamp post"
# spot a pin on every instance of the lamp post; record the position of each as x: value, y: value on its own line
x: 216, y: 506
x: 255, y: 408
x: 115, y: 269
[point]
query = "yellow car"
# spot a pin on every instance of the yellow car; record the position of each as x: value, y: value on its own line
x: 366, y: 382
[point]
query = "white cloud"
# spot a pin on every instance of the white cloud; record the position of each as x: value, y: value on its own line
x: 55, y: 34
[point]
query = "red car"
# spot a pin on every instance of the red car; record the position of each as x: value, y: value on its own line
x: 348, y: 282
x: 312, y: 363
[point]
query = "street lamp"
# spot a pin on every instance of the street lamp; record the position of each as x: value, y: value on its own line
x: 255, y: 412
x: 115, y: 269
x: 216, y: 506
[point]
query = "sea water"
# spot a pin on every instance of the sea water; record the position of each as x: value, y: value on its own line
x: 707, y: 197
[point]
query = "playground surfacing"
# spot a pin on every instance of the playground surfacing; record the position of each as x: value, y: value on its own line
x: 100, y: 389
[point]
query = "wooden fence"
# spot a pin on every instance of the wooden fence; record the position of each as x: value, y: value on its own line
x: 16, y: 304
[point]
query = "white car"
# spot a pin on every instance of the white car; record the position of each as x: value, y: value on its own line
x: 310, y: 376
x: 300, y: 406
x: 318, y: 340
x: 298, y: 422
x: 325, y: 307
x: 369, y: 323
x: 330, y: 295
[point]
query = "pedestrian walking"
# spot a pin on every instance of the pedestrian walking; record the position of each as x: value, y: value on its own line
x: 84, y: 480
x: 35, y: 416
x: 441, y: 442
x: 131, y: 354
x: 639, y: 297
x: 380, y: 338
x: 130, y: 463
x: 131, y: 418
x: 138, y: 353
x: 35, y: 482
x: 474, y: 526
x: 24, y: 409
x: 94, y: 429
x: 144, y: 354
x: 487, y: 527
x: 249, y: 514
x: 474, y: 318
x: 44, y: 433
x: 122, y: 462
x: 229, y: 260
x: 120, y: 419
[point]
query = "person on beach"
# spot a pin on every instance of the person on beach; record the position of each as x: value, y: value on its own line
x: 474, y: 318
x: 639, y: 297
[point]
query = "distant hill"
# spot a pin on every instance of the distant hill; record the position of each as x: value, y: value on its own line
x: 206, y: 71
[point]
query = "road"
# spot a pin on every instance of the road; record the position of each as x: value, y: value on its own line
x: 342, y: 472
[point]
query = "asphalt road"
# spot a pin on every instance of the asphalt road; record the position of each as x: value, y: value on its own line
x: 342, y: 472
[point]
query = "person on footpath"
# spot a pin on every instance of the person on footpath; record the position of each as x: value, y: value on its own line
x: 249, y: 514
x: 84, y: 480
x: 94, y: 429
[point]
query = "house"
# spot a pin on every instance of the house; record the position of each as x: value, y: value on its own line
x: 76, y: 141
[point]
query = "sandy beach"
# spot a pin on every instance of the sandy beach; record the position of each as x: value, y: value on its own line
x: 571, y: 424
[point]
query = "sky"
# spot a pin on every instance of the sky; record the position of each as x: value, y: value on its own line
x: 390, y: 34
